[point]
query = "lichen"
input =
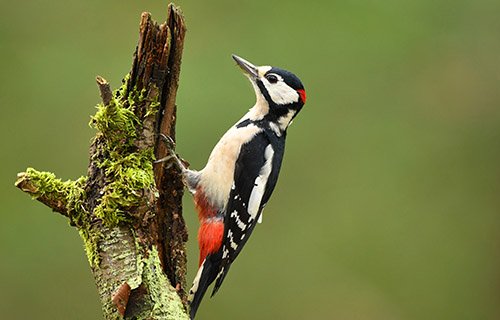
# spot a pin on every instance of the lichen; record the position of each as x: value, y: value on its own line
x: 166, y: 302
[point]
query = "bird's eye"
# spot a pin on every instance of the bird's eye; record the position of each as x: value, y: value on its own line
x: 272, y: 78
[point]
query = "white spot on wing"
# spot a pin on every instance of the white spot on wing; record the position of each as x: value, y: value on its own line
x: 231, y: 240
x: 260, y: 183
x: 240, y: 223
x: 260, y: 218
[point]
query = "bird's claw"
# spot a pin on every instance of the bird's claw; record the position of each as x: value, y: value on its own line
x: 168, y: 140
x: 170, y: 147
x: 164, y: 159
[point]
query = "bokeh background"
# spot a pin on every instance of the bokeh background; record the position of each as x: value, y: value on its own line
x: 388, y: 202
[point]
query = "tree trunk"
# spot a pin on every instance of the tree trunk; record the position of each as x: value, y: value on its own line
x: 127, y: 209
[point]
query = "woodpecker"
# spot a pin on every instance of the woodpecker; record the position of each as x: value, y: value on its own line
x: 233, y: 188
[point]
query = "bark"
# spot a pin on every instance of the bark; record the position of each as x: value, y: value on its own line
x: 127, y: 209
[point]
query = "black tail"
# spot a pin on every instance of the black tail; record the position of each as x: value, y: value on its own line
x: 206, y: 275
x: 220, y: 277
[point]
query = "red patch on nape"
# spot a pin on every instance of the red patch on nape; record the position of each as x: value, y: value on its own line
x: 210, y: 238
x: 302, y: 94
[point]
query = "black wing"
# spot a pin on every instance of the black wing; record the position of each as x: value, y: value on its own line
x: 255, y: 177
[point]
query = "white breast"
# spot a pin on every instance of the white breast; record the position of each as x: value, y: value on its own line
x: 216, y: 178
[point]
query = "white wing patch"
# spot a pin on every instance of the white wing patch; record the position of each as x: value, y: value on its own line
x: 240, y: 223
x: 260, y: 183
x: 231, y: 240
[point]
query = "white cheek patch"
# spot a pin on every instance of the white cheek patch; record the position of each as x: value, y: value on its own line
x: 280, y: 92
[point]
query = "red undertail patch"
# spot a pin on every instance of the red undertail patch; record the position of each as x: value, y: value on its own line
x: 203, y: 207
x: 302, y: 94
x: 210, y: 237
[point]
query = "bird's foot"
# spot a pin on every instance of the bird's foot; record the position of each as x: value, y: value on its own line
x: 172, y: 158
x: 167, y: 140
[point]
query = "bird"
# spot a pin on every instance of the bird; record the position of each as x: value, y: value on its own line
x: 233, y: 188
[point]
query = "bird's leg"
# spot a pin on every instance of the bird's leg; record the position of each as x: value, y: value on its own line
x: 172, y: 157
x: 190, y: 178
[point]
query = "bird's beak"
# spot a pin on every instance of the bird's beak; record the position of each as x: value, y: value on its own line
x: 249, y: 69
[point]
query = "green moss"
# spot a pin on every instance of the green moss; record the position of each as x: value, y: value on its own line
x: 129, y: 177
x: 80, y: 218
x: 128, y: 170
x: 70, y: 193
x: 48, y: 186
x: 117, y: 123
x: 153, y: 108
x: 90, y: 240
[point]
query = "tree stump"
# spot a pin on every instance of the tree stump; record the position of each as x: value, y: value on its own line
x: 127, y: 209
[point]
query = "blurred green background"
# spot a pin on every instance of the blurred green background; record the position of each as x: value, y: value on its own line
x: 388, y: 201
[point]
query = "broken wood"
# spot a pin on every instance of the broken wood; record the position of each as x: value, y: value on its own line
x: 128, y: 210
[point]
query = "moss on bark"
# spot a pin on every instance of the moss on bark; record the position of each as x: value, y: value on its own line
x: 128, y: 169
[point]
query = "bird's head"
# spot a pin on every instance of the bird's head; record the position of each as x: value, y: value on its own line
x: 280, y: 93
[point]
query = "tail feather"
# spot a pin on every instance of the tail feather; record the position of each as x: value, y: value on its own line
x: 220, y: 278
x: 206, y: 275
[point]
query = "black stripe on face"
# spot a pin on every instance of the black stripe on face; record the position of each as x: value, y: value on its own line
x: 277, y: 110
x: 265, y: 93
x: 244, y: 123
